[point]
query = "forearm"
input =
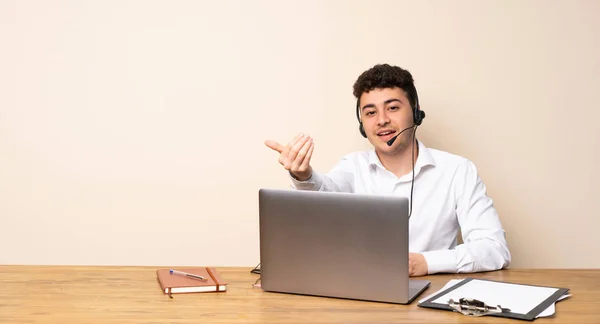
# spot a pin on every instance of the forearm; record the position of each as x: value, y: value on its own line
x: 324, y: 182
x: 484, y: 254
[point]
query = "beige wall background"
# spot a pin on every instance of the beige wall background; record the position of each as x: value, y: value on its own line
x: 131, y: 132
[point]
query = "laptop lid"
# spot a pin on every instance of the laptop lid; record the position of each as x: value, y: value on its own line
x: 335, y: 245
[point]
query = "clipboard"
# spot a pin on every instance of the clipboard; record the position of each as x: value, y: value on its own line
x: 518, y: 301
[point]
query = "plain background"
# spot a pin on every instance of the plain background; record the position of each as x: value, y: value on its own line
x: 132, y: 132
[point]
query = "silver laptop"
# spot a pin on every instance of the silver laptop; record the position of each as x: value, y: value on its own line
x: 334, y: 244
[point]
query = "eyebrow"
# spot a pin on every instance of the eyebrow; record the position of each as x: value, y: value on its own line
x: 385, y: 103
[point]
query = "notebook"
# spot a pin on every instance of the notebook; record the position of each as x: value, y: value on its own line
x: 175, y: 284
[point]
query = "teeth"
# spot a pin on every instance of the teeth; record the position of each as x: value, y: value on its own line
x: 385, y: 133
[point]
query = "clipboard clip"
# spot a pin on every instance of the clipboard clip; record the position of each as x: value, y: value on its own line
x: 474, y: 307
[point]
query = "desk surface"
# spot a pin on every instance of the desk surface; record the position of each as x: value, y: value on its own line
x: 67, y: 294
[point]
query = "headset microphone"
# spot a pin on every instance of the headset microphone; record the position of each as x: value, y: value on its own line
x: 391, y: 141
x: 418, y: 116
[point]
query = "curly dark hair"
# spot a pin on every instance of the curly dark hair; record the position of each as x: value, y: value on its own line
x: 386, y: 76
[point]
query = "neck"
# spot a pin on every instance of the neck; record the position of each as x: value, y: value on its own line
x: 399, y: 161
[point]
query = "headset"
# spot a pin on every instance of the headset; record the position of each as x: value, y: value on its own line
x: 418, y: 114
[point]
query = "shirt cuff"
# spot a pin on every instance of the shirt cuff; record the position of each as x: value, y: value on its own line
x: 312, y: 183
x: 440, y: 261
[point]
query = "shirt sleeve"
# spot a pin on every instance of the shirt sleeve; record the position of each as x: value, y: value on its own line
x: 484, y: 247
x: 339, y: 179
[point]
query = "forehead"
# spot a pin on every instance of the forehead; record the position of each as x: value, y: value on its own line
x: 378, y: 96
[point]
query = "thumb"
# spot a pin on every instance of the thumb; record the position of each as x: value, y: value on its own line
x: 274, y: 145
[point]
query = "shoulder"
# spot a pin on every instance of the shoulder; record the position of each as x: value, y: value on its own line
x: 450, y: 162
x: 461, y: 173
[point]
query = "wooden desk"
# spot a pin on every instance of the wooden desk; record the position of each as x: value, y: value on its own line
x: 65, y: 294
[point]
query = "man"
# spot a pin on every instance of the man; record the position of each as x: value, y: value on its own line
x: 447, y: 195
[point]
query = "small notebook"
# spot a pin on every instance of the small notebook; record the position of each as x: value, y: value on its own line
x: 176, y: 284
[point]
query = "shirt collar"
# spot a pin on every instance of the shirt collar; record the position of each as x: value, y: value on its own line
x: 424, y: 159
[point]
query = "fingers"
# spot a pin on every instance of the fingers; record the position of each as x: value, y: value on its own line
x: 298, y: 161
x: 291, y: 144
x: 417, y: 265
x: 411, y: 265
x: 274, y: 146
x: 306, y: 163
x: 292, y: 155
x: 296, y: 155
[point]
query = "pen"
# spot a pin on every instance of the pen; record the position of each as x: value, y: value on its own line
x: 185, y: 274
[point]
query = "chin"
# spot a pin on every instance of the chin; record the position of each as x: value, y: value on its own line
x: 384, y: 148
x: 397, y: 147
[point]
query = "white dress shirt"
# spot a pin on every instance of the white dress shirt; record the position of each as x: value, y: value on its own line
x: 447, y: 195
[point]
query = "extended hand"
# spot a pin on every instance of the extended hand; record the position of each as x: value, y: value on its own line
x: 295, y: 156
x: 417, y: 265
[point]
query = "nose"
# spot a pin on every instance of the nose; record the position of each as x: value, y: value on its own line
x: 383, y: 119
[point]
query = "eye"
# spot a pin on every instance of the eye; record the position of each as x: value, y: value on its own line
x: 394, y: 108
x: 370, y: 113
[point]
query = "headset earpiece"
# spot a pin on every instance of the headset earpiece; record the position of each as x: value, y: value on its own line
x: 361, y: 129
x: 418, y: 114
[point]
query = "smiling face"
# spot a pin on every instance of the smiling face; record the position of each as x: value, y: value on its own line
x: 385, y: 112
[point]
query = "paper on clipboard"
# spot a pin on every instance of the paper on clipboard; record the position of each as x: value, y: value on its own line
x: 547, y: 312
